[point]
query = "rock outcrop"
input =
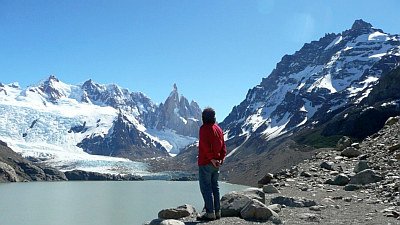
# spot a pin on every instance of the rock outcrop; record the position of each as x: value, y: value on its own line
x: 15, y: 168
x: 80, y: 175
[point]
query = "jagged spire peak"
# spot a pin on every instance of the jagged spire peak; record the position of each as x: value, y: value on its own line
x: 361, y: 24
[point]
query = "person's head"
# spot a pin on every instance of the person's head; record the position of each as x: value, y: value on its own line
x: 208, y: 115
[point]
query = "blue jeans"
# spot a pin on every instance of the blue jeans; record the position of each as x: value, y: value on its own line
x: 208, y: 179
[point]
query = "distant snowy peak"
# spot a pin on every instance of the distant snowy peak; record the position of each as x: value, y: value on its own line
x: 323, y: 76
x: 52, y: 89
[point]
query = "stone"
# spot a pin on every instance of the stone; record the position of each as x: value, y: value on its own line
x: 265, y: 180
x: 172, y: 222
x: 360, y: 166
x: 351, y: 187
x: 315, y: 208
x: 350, y: 152
x: 232, y: 203
x: 394, y: 147
x: 254, y: 193
x: 7, y: 173
x: 355, y: 145
x: 347, y: 199
x: 327, y: 165
x: 310, y: 217
x: 391, y: 121
x: 270, y: 189
x: 275, y: 219
x: 293, y: 202
x: 363, y: 157
x: 341, y: 180
x: 256, y: 210
x: 334, y: 173
x: 166, y: 222
x: 275, y: 207
x: 365, y: 177
x: 343, y: 143
x: 177, y: 213
x: 305, y: 174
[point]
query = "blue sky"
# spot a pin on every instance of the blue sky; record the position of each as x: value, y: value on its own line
x: 214, y: 50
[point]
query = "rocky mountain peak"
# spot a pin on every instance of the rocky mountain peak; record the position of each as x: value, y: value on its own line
x: 361, y: 25
x: 52, y: 88
x: 53, y: 78
x: 177, y: 114
x: 321, y: 77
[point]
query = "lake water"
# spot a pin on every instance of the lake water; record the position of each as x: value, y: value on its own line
x: 95, y: 203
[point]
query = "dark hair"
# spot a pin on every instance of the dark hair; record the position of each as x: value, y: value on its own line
x: 208, y: 115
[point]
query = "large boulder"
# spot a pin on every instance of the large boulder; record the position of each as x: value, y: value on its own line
x: 254, y: 193
x: 365, y: 177
x: 177, y: 213
x: 351, y: 187
x: 256, y: 210
x: 270, y: 189
x: 360, y: 166
x: 232, y: 204
x: 265, y: 180
x: 327, y: 165
x: 341, y: 180
x: 166, y: 222
x: 343, y: 143
x: 275, y: 207
x: 293, y: 202
x: 350, y: 152
x: 392, y: 120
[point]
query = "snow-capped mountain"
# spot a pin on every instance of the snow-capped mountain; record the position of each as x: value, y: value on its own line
x: 314, y: 83
x: 71, y: 126
x: 176, y: 113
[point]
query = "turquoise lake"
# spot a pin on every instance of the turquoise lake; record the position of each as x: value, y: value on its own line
x: 95, y: 202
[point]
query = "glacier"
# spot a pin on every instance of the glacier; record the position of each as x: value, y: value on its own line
x: 41, y: 129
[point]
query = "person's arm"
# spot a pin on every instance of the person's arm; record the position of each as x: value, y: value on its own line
x: 223, y: 152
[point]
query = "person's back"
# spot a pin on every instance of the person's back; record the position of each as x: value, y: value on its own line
x: 212, y: 152
x: 211, y: 144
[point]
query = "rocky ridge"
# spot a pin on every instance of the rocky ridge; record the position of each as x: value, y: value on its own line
x: 15, y: 168
x: 316, y: 95
x: 355, y: 183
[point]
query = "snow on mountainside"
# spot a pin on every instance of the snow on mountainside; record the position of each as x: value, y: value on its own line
x: 62, y: 123
x: 323, y: 76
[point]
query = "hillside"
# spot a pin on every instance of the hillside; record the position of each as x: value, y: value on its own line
x: 356, y: 183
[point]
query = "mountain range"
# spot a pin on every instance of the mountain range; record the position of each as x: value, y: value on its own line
x: 344, y: 84
x: 71, y: 126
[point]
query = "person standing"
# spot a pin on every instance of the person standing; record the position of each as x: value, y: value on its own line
x: 212, y: 152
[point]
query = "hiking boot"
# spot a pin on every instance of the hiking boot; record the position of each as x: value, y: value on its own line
x: 218, y: 215
x: 206, y: 217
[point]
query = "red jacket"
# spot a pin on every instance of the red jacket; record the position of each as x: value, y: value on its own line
x: 211, y: 144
